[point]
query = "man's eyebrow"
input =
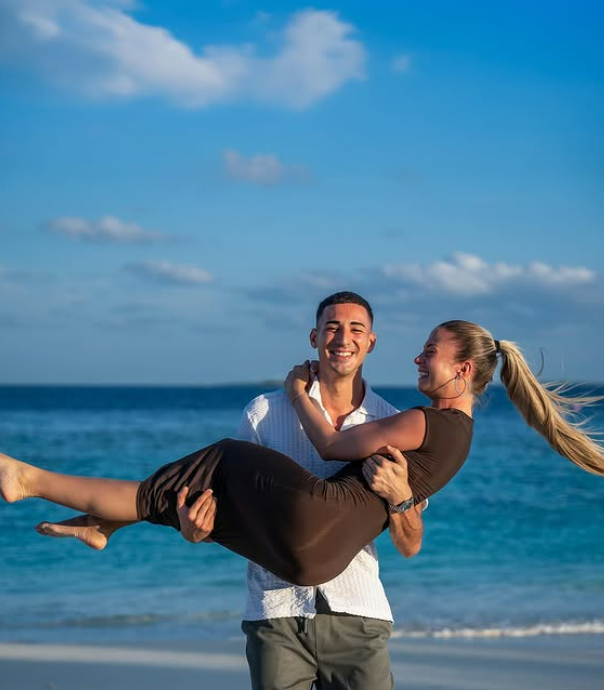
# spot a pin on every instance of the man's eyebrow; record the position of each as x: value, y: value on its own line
x: 352, y: 323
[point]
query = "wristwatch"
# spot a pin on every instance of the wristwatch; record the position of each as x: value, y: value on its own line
x: 402, y: 507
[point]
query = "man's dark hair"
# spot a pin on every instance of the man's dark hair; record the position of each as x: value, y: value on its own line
x: 344, y: 297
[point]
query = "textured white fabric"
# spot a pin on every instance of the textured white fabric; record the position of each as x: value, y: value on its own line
x: 271, y: 421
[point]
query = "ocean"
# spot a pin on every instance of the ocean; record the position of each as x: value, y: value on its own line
x: 514, y: 545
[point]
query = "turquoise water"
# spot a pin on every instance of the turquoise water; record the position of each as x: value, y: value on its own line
x: 514, y: 545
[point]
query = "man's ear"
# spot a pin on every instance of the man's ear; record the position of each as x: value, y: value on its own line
x: 372, y: 341
x: 313, y: 338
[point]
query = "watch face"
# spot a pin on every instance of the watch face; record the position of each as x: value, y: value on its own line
x: 402, y: 507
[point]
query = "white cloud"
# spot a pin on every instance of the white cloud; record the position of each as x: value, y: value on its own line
x: 175, y: 274
x: 263, y: 169
x: 469, y: 275
x: 507, y: 298
x: 42, y: 27
x: 105, y: 229
x: 317, y: 58
x: 562, y: 275
x: 99, y: 50
x: 318, y: 280
x: 401, y: 64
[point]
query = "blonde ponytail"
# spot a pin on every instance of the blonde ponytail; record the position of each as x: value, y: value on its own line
x: 548, y: 410
x: 545, y: 408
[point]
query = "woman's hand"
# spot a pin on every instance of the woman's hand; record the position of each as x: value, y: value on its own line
x: 298, y: 380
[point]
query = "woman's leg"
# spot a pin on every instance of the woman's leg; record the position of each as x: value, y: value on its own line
x: 110, y: 499
x: 89, y: 529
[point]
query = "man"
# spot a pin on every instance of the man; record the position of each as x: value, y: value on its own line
x: 334, y: 635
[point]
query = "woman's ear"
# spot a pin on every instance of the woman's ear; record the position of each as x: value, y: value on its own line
x: 467, y: 368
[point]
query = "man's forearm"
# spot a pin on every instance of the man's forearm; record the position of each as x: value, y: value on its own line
x: 406, y: 531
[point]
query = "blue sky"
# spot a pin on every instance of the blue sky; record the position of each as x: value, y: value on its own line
x: 181, y: 183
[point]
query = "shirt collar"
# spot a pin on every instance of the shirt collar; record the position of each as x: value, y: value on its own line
x: 368, y: 406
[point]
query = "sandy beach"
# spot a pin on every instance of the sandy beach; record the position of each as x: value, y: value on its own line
x: 548, y: 662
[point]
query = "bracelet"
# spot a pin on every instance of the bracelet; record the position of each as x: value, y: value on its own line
x: 293, y: 400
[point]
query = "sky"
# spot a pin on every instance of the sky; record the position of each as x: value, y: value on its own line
x: 182, y: 182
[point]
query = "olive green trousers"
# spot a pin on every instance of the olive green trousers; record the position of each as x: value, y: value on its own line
x: 333, y: 651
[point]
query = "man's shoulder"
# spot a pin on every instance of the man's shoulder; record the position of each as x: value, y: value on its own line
x: 268, y: 417
x: 262, y: 404
x: 380, y: 407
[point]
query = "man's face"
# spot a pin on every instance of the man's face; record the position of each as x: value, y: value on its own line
x: 342, y: 338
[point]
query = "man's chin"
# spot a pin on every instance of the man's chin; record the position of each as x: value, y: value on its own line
x: 343, y: 368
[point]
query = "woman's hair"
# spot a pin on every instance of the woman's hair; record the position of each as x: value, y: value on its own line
x: 543, y: 407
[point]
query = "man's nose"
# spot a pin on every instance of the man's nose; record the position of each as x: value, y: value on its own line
x: 342, y: 336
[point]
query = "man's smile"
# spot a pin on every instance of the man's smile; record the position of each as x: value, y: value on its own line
x: 340, y: 354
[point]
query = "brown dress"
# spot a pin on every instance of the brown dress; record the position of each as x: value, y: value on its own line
x: 303, y: 529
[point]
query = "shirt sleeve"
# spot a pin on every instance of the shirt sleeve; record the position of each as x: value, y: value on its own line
x: 247, y: 429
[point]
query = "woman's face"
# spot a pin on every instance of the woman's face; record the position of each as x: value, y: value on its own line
x: 437, y: 366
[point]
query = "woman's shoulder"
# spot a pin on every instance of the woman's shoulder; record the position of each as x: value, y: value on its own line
x: 449, y: 425
x: 411, y: 418
x: 449, y: 414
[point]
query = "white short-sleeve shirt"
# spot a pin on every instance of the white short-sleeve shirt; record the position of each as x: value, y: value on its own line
x: 271, y: 421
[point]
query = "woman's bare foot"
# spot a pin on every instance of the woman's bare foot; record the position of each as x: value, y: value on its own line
x: 89, y: 529
x: 13, y: 479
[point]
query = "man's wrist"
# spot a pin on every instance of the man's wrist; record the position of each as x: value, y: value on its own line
x: 402, y: 506
x: 399, y: 494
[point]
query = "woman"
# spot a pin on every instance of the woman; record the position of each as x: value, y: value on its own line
x: 304, y: 529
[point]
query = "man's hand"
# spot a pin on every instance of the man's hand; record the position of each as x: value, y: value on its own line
x: 389, y: 479
x: 196, y: 521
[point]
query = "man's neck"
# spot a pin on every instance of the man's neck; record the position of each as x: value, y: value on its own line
x: 341, y: 395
